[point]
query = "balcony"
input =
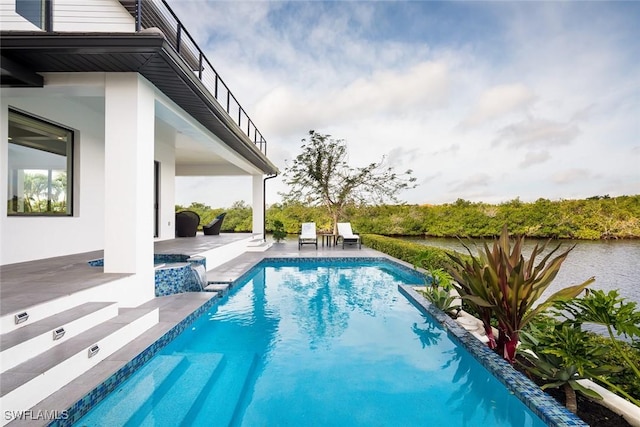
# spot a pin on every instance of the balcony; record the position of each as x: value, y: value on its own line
x: 154, y: 43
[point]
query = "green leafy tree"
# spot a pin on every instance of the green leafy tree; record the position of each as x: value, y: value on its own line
x: 500, y: 283
x: 321, y: 176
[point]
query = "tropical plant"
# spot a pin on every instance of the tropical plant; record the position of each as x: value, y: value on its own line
x: 278, y: 230
x: 560, y: 354
x: 438, y: 289
x: 499, y: 282
x: 442, y: 298
x: 320, y: 176
x: 612, y: 312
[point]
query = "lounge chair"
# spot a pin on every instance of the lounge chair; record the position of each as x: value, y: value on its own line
x: 308, y: 235
x: 346, y: 235
x: 213, y: 228
x: 187, y: 223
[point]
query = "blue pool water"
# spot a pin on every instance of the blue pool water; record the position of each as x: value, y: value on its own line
x: 324, y: 343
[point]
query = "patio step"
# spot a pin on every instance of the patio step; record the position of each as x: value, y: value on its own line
x: 26, y: 342
x: 152, y: 380
x: 258, y: 245
x: 186, y: 393
x: 224, y: 403
x: 26, y: 384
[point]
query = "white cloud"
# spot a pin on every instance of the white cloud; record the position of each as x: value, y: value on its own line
x: 537, y: 133
x: 572, y: 175
x: 535, y: 157
x: 388, y: 93
x: 498, y: 101
x: 472, y: 182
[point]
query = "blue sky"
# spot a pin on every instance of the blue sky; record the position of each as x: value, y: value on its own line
x: 485, y: 101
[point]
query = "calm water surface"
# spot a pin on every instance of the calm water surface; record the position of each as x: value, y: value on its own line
x: 614, y: 264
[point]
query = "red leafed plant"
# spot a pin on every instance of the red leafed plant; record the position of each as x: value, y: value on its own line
x: 501, y: 284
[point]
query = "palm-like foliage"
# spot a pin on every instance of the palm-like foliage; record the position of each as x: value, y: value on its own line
x: 499, y: 282
x: 560, y: 355
x: 611, y: 311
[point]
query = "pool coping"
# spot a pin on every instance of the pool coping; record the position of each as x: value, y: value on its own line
x: 543, y: 405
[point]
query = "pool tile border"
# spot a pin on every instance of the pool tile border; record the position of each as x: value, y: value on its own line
x: 540, y: 403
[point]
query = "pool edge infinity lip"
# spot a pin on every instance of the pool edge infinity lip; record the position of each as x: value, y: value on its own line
x: 540, y: 403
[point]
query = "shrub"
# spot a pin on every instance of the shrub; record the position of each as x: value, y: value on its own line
x: 278, y: 230
x: 428, y: 256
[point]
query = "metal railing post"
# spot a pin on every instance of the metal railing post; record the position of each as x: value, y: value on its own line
x: 138, y: 15
x: 48, y: 16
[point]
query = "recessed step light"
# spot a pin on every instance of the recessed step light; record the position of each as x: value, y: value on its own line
x: 58, y: 333
x: 21, y: 317
x: 93, y: 350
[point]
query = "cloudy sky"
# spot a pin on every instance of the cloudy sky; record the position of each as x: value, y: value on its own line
x: 484, y: 101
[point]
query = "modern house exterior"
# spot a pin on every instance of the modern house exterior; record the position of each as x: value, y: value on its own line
x: 103, y: 104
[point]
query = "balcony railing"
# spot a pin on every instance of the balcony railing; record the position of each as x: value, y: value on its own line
x: 157, y: 13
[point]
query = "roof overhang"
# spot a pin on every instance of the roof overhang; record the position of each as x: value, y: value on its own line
x: 25, y: 54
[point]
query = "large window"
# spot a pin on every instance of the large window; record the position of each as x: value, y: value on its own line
x: 40, y: 167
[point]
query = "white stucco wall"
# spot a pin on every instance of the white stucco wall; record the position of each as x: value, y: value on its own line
x: 29, y: 238
x: 73, y: 15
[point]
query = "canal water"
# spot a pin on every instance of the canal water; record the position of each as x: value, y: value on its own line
x: 614, y: 264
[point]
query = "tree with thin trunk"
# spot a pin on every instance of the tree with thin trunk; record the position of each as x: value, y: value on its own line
x: 321, y: 176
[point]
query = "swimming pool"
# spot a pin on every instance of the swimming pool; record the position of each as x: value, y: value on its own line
x: 315, y: 342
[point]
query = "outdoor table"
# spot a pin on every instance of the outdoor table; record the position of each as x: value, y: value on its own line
x: 330, y: 238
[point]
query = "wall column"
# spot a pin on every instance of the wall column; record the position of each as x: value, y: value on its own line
x: 258, y: 204
x: 129, y: 152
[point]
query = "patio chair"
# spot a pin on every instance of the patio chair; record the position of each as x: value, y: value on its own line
x: 187, y: 223
x: 346, y: 235
x: 213, y: 228
x: 308, y: 235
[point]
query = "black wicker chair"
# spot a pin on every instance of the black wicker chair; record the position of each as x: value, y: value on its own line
x: 213, y: 228
x: 187, y: 223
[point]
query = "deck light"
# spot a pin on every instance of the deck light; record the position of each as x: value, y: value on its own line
x: 21, y: 317
x: 58, y: 333
x: 93, y: 350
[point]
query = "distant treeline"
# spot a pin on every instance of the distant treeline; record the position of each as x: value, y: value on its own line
x: 598, y: 217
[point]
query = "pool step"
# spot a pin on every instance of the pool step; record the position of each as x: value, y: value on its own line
x: 219, y: 287
x: 26, y: 342
x: 225, y: 400
x: 187, y: 391
x: 132, y: 396
x: 33, y: 380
